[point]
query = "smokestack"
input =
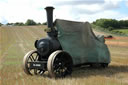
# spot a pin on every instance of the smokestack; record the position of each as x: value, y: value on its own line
x: 49, y: 11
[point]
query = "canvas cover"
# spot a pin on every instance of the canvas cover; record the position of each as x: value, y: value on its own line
x: 78, y: 39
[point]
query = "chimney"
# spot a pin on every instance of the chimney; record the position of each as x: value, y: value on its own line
x: 49, y: 11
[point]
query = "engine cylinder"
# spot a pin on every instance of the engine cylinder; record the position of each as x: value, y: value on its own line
x: 47, y: 45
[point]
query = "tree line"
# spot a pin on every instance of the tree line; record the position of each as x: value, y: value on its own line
x: 1, y: 24
x: 29, y: 22
x: 111, y: 24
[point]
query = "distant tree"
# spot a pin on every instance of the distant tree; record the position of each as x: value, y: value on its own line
x: 45, y: 23
x: 30, y: 22
x: 107, y: 23
x: 111, y: 24
x: 1, y: 24
x: 39, y: 23
x: 10, y: 24
x: 123, y: 23
x: 18, y: 24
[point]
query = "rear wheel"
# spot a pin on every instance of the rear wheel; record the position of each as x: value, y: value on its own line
x: 31, y: 56
x: 104, y: 65
x: 59, y: 64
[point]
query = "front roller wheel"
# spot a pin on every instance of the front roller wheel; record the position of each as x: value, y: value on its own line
x: 31, y: 56
x: 59, y: 64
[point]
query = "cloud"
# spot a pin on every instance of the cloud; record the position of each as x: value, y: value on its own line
x: 89, y: 6
x: 126, y: 3
x: 84, y: 11
x: 124, y: 18
x: 21, y: 10
x: 105, y: 14
x: 77, y: 2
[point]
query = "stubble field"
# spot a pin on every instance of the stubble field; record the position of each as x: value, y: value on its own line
x: 16, y: 41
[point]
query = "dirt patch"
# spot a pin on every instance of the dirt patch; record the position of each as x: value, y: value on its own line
x: 121, y: 38
x: 119, y: 42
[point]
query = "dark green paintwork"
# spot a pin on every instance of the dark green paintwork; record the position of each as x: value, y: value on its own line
x: 78, y: 40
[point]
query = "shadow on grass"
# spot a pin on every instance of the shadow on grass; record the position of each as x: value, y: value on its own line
x: 89, y: 71
x: 85, y: 72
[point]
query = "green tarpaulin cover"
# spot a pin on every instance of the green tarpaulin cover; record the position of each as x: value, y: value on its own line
x: 78, y: 39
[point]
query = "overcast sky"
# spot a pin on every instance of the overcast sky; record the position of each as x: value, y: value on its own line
x: 77, y: 10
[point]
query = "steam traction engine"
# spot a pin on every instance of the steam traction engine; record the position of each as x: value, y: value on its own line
x: 55, y: 56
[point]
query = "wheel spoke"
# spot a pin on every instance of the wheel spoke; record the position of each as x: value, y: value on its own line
x: 29, y: 70
x: 32, y: 58
x: 41, y: 72
x: 36, y: 57
x: 35, y: 70
x: 68, y: 71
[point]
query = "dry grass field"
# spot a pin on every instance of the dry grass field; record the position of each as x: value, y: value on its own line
x: 16, y: 41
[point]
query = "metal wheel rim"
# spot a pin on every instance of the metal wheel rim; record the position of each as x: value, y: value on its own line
x: 58, y: 66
